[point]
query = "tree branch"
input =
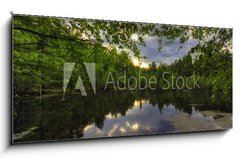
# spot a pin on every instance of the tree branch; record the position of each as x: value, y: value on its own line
x: 48, y: 36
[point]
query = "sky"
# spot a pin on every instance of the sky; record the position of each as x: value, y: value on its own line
x: 169, y: 52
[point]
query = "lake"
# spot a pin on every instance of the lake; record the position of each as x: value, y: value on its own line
x: 119, y: 113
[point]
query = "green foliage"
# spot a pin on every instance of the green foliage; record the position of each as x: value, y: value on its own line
x: 42, y: 45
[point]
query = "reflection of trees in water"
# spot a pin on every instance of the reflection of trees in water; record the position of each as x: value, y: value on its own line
x: 184, y: 101
x: 67, y: 119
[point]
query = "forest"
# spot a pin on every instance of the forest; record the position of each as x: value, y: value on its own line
x: 41, y: 45
x: 149, y: 78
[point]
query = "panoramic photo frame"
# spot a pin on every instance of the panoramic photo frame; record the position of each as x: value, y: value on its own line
x: 82, y: 78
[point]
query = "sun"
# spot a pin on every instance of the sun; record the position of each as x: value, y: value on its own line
x: 138, y: 63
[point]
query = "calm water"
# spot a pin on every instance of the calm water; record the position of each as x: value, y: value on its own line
x: 110, y: 114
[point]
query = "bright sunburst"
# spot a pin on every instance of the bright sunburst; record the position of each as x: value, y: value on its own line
x: 138, y: 63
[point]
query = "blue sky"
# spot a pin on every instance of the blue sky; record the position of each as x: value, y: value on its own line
x: 169, y: 52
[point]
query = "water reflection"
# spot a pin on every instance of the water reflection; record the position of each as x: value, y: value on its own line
x: 142, y: 118
x: 119, y: 114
